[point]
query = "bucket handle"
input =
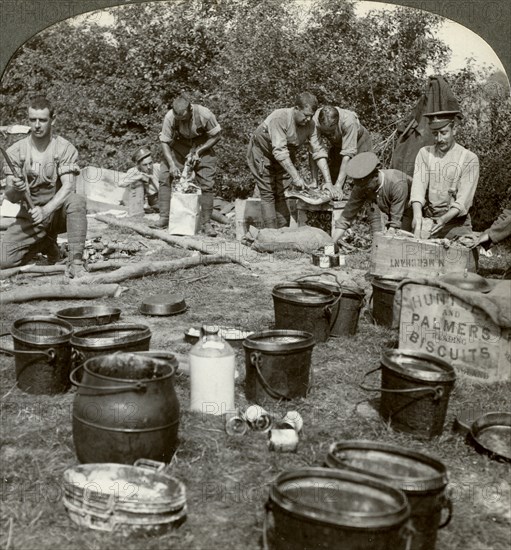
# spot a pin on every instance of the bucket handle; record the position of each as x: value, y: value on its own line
x: 329, y: 309
x: 102, y: 389
x: 407, y: 532
x: 446, y: 504
x: 437, y: 391
x: 256, y: 361
x: 49, y: 352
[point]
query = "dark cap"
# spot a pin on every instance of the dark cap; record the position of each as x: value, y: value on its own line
x: 439, y: 119
x: 361, y: 165
x: 140, y: 154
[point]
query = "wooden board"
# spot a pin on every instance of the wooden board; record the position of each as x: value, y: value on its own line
x: 433, y: 321
x: 101, y: 187
x: 402, y: 257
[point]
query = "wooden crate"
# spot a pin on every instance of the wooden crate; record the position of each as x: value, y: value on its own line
x: 323, y: 215
x: 403, y: 257
x: 436, y: 322
x: 101, y: 187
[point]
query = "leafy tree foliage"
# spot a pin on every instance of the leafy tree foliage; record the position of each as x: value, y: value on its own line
x: 112, y: 85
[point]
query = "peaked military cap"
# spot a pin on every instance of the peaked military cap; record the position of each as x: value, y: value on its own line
x: 361, y: 165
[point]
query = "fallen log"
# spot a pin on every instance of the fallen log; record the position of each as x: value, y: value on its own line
x: 219, y: 217
x: 135, y: 270
x: 57, y: 268
x: 60, y: 292
x: 237, y: 252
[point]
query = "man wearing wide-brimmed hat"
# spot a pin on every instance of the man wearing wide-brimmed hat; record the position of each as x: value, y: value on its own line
x: 386, y: 191
x: 145, y: 173
x: 444, y: 180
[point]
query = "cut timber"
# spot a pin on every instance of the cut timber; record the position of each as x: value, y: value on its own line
x: 59, y: 292
x: 135, y: 270
x: 235, y: 251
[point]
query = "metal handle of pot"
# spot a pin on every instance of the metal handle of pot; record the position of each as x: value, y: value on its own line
x: 76, y: 356
x: 102, y: 389
x: 319, y: 274
x: 446, y: 503
x: 407, y: 533
x: 437, y: 391
x: 148, y: 464
x: 329, y: 309
x: 49, y: 352
x: 256, y: 362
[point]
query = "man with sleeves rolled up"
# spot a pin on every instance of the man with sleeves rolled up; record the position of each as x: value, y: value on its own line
x: 189, y: 134
x: 44, y: 171
x: 271, y: 155
x: 444, y: 181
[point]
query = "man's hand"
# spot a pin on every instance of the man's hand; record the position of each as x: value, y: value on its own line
x: 391, y: 231
x: 439, y: 224
x: 484, y: 241
x: 299, y: 183
x: 3, y: 130
x: 174, y: 171
x: 335, y: 192
x: 313, y: 184
x: 192, y: 157
x: 19, y: 184
x: 417, y: 226
x: 38, y: 214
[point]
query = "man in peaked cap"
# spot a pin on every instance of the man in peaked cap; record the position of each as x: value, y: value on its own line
x: 387, y: 191
x: 444, y: 180
x: 146, y: 172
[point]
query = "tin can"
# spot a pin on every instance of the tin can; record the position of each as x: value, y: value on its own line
x: 342, y: 259
x: 324, y: 261
x: 258, y: 419
x: 283, y: 440
x: 293, y: 420
x: 329, y: 249
x: 235, y: 424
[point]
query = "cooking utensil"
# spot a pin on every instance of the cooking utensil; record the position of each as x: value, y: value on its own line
x: 163, y: 304
x: 89, y: 315
x: 491, y: 434
x: 465, y: 280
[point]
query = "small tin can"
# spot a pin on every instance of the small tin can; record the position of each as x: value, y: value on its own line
x: 282, y: 440
x: 293, y: 420
x: 235, y: 424
x: 324, y: 261
x: 258, y: 419
x: 329, y: 249
x: 342, y: 259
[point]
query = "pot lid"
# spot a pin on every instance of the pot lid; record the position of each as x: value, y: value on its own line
x: 279, y: 340
x: 410, y: 471
x: 418, y: 365
x: 465, y: 280
x: 340, y: 498
x: 163, y: 304
x: 306, y: 294
x: 492, y: 433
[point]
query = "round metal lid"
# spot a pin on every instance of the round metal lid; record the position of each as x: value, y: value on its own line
x: 340, y: 498
x: 279, y: 340
x: 418, y: 365
x: 410, y: 471
x: 305, y: 294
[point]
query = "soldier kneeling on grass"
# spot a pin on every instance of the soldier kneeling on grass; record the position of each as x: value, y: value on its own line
x: 42, y: 178
x: 386, y: 191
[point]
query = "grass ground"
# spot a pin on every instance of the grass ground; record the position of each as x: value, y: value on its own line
x: 227, y: 478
